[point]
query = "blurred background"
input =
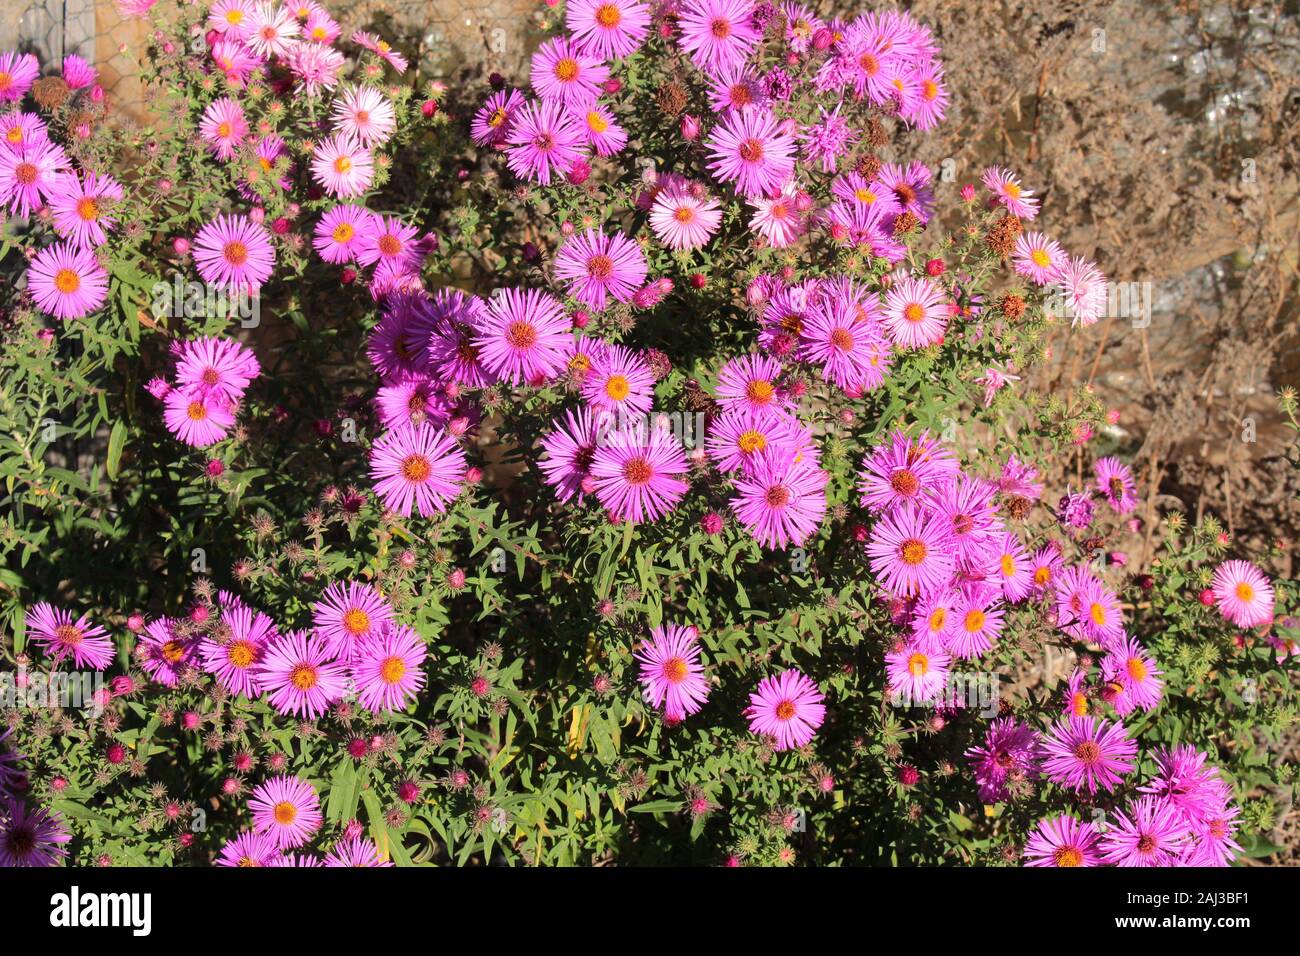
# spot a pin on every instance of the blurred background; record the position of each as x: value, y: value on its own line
x: 1162, y: 137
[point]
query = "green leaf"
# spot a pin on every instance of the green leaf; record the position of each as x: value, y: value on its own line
x: 116, y: 442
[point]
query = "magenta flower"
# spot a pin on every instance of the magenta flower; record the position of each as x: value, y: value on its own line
x: 1088, y: 753
x: 735, y: 438
x: 636, y: 472
x: 365, y: 114
x: 544, y: 141
x: 609, y: 29
x: 389, y: 241
x: 523, y: 336
x: 342, y: 166
x: 1152, y: 833
x: 235, y: 661
x: 603, y: 132
x: 1009, y: 751
x: 905, y: 470
x: 355, y: 851
x: 218, y: 367
x: 82, y: 209
x: 223, y: 127
x: 618, y: 380
x: 596, y: 267
x: 718, y: 34
x: 197, y: 419
x: 1037, y: 257
x: 494, y: 121
x: 249, y: 849
x: 235, y: 253
x: 1007, y: 191
x: 287, y: 809
x: 916, y: 313
x: 1115, y: 483
x: 1129, y: 666
x: 165, y: 654
x: 1062, y: 841
x: 781, y: 499
x: 910, y: 551
x: 1083, y: 291
x: 59, y: 636
x: 752, y: 150
x: 570, y: 448
x: 417, y: 466
x: 348, y: 614
x: 300, y: 677
x: 915, y: 674
x: 750, y: 382
x: 671, y: 675
x: 340, y: 233
x: 31, y: 838
x: 67, y: 282
x: 682, y: 220
x: 18, y: 71
x: 387, y: 669
x: 974, y: 627
x: 562, y: 72
x: 787, y: 707
x: 1243, y: 593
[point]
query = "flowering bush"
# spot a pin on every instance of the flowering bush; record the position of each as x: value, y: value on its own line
x: 627, y: 468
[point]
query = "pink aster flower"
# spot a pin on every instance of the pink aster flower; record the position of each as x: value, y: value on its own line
x: 523, y: 336
x: 563, y: 73
x: 911, y: 188
x: 391, y: 241
x: 718, y: 34
x: 1037, y: 257
x: 1082, y: 288
x: 834, y: 339
x: 30, y: 838
x: 348, y: 614
x: 82, y: 209
x: 165, y: 654
x: 853, y: 187
x: 602, y: 131
x: 570, y: 448
x: 32, y: 174
x: 903, y: 469
x: 1243, y: 593
x: 778, y: 220
x: 1115, y: 483
x: 1007, y: 191
x: 787, y: 707
x: 380, y: 48
x: 636, y: 472
x: 18, y: 71
x: 1151, y: 833
x: 342, y: 166
x: 671, y: 675
x: 286, y: 809
x: 1009, y: 750
x: 975, y: 627
x: 494, y: 121
x: 966, y: 506
x: 544, y: 141
x: 827, y: 140
x: 1088, y: 753
x: 387, y: 669
x: 67, y: 282
x: 216, y: 366
x: 781, y: 499
x: 411, y: 400
x: 1129, y: 666
x: 1189, y: 782
x: 618, y: 380
x: 916, y: 675
x: 364, y: 114
x: 230, y: 18
x: 597, y: 266
x: 609, y: 29
x: 1062, y: 841
x: 249, y: 849
x: 926, y: 109
x: 355, y: 852
x: 18, y: 128
x: 1014, y: 572
x: 59, y: 636
x: 341, y: 231
x: 750, y: 382
x: 736, y: 437
x: 235, y: 253
x: 272, y: 30
x: 236, y: 659
x: 223, y: 127
x: 300, y: 677
x: 752, y: 150
x: 682, y: 220
x: 916, y: 312
x: 910, y: 551
x: 197, y: 419
x: 417, y: 466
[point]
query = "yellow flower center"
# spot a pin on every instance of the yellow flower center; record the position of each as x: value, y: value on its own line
x: 392, y: 670
x: 285, y: 813
x: 974, y: 622
x: 913, y: 551
x: 67, y: 281
x: 616, y: 387
x: 751, y: 441
x: 918, y: 665
x: 344, y: 232
x: 356, y: 621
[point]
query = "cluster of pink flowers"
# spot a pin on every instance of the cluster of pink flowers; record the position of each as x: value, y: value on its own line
x: 355, y: 646
x: 65, y: 279
x: 202, y: 399
x: 1184, y: 815
x: 286, y: 815
x: 787, y: 708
